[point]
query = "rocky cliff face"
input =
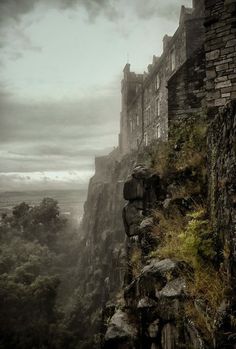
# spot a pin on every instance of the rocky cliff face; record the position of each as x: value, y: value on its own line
x: 155, y: 294
x: 157, y: 262
x: 179, y: 217
x: 102, y: 258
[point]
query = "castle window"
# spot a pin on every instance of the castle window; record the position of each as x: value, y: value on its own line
x: 157, y: 82
x: 172, y: 59
x: 148, y: 115
x: 157, y: 107
x: 145, y: 139
x: 131, y: 125
x: 137, y: 119
x: 158, y: 132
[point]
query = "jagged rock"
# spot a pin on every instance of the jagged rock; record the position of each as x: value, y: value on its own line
x: 141, y: 172
x: 173, y: 289
x: 147, y: 223
x: 139, y: 204
x: 169, y: 337
x: 133, y: 189
x: 148, y: 239
x: 120, y: 328
x: 131, y: 293
x: 132, y: 217
x: 133, y: 229
x: 146, y: 303
x: 166, y: 268
x: 154, y: 328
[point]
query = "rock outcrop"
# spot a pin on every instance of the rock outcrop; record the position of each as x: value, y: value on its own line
x: 164, y: 296
x: 155, y: 294
x: 102, y: 259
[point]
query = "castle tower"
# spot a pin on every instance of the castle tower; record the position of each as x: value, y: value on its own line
x: 130, y: 86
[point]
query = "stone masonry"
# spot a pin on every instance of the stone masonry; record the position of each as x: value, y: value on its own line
x: 144, y: 116
x: 220, y: 47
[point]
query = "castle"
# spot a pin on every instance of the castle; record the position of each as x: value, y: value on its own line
x: 195, y: 71
x: 194, y: 77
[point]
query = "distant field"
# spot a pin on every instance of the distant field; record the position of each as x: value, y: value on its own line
x: 71, y: 202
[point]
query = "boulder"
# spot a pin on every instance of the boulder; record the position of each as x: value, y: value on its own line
x: 120, y: 328
x: 141, y: 172
x: 133, y: 189
x: 147, y: 223
x: 146, y: 302
x: 132, y: 217
x: 154, y: 328
x: 169, y: 337
x: 174, y: 289
x: 165, y: 268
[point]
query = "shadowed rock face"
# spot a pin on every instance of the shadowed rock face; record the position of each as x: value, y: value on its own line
x: 120, y: 327
x: 102, y: 258
x: 155, y: 298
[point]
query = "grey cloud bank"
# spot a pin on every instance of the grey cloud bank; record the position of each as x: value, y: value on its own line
x: 60, y: 81
x: 112, y: 9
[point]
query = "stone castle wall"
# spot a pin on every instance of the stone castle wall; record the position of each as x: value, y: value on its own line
x: 220, y: 47
x: 186, y: 91
x: 145, y: 115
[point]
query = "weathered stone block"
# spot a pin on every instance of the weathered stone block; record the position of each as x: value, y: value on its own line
x: 223, y: 84
x: 226, y: 51
x: 211, y: 74
x: 222, y: 67
x: 213, y: 55
x: 220, y: 102
x: 225, y: 95
x: 221, y: 78
x: 231, y: 43
x: 233, y: 95
x: 213, y: 95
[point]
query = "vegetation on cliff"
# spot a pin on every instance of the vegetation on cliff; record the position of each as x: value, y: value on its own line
x: 183, y: 226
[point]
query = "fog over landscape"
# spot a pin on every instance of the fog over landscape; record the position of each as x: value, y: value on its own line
x: 60, y: 69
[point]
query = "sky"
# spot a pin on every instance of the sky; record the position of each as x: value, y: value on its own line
x: 61, y: 65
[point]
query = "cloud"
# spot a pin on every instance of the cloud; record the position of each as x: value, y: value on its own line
x: 44, y: 180
x: 56, y: 136
x: 14, y: 9
x: 112, y: 9
x: 168, y: 9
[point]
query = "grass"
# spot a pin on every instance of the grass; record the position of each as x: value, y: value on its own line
x: 185, y: 148
x: 136, y: 261
x: 189, y: 238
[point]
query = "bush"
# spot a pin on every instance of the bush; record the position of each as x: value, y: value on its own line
x: 193, y: 242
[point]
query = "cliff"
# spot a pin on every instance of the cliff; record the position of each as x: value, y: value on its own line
x: 102, y: 259
x: 170, y: 189
x: 170, y: 282
x: 179, y: 289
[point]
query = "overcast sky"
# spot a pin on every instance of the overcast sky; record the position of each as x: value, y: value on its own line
x: 61, y: 64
